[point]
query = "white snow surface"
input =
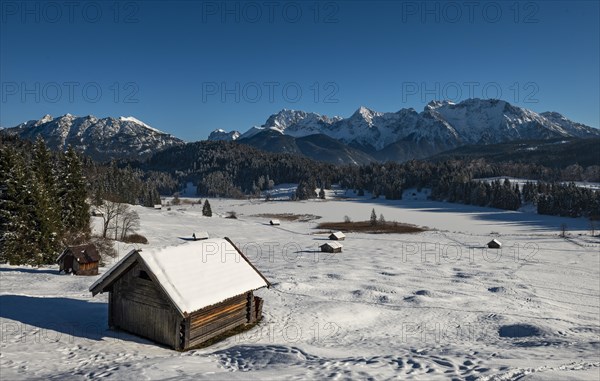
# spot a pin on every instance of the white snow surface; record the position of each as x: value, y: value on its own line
x: 426, y: 306
x: 199, y: 274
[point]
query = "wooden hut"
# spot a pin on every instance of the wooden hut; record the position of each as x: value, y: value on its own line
x: 184, y: 295
x: 199, y: 236
x: 79, y: 260
x: 275, y: 222
x: 331, y: 247
x: 337, y: 236
x: 158, y: 206
x: 494, y: 244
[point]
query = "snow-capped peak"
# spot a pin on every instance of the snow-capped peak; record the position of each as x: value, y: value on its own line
x: 364, y: 110
x: 366, y: 114
x: 47, y: 118
x: 137, y: 121
x: 435, y: 104
x: 221, y: 135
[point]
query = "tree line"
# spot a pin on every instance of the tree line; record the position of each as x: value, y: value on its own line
x: 42, y: 202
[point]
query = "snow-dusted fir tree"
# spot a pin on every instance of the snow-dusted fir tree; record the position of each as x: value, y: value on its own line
x: 47, y: 204
x: 373, y: 218
x: 206, y: 210
x: 72, y: 194
x: 16, y: 211
x: 322, y: 194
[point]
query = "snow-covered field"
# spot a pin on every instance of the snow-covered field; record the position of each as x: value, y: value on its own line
x: 433, y: 305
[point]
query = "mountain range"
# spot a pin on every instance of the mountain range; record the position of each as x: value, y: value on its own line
x: 101, y: 139
x: 407, y: 134
x: 364, y: 137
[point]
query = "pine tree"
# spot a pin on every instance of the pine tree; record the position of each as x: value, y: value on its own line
x: 305, y: 190
x: 206, y: 210
x: 373, y: 219
x: 16, y: 211
x: 47, y: 208
x: 72, y: 194
x: 322, y: 194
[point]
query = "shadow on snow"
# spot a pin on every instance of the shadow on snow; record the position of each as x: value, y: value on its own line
x: 71, y: 317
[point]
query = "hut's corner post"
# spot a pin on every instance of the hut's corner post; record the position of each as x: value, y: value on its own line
x: 184, y: 329
x: 258, y: 306
x: 110, y: 310
x: 250, y: 315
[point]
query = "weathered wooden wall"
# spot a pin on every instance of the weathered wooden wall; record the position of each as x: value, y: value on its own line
x: 87, y: 269
x: 214, y: 320
x: 139, y: 306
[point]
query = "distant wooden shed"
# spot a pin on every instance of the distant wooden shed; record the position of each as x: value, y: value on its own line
x: 79, y: 260
x: 158, y: 206
x: 494, y: 244
x: 331, y: 247
x: 275, y: 222
x: 337, y: 236
x: 184, y: 295
x: 198, y: 236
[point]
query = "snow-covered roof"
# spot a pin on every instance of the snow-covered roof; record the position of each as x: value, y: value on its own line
x: 333, y: 245
x: 338, y: 235
x: 201, y: 235
x: 196, y: 274
x: 83, y: 253
x: 275, y: 222
x: 495, y: 241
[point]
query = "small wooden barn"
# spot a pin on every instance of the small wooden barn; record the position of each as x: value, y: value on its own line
x: 198, y: 236
x: 494, y: 244
x: 158, y: 206
x: 79, y: 260
x: 337, y: 236
x: 184, y: 295
x: 331, y: 247
x: 275, y: 222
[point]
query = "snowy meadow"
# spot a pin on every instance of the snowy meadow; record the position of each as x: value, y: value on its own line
x: 431, y: 305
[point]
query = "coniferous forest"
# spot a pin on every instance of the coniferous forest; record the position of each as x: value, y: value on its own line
x: 42, y: 204
x: 45, y: 196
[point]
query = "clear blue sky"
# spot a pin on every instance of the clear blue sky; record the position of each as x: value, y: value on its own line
x: 179, y: 66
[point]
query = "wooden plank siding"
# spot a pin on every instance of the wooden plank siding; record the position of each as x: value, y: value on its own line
x: 219, y: 318
x: 87, y: 268
x: 140, y: 307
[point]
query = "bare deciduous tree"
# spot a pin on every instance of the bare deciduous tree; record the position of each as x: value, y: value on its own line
x: 118, y: 218
x: 109, y: 210
x: 130, y: 221
x: 563, y: 230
